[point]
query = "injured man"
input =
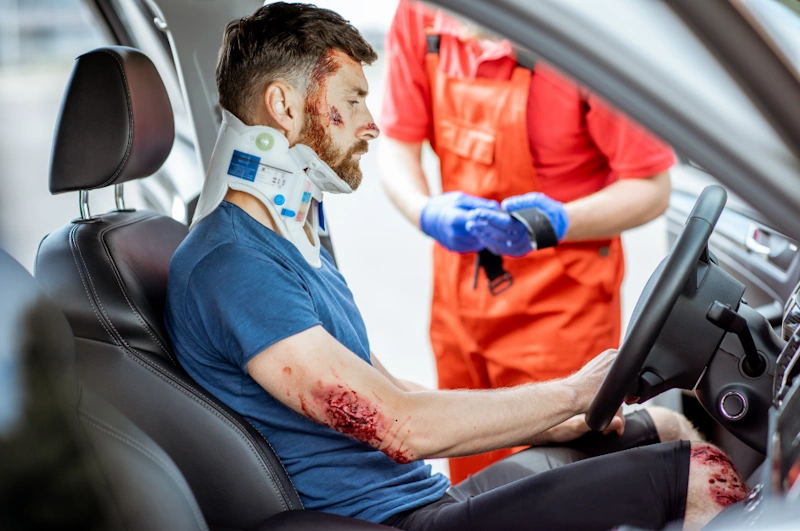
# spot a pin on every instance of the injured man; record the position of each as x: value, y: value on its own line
x: 261, y: 318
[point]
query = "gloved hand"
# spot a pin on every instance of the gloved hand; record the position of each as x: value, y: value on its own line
x: 499, y: 233
x: 444, y: 217
x: 545, y: 224
x: 553, y: 210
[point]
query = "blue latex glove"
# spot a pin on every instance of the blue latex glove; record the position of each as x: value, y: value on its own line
x: 504, y: 235
x: 551, y: 208
x: 444, y: 218
x: 499, y: 233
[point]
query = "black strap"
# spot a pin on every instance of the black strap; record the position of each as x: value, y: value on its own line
x: 539, y: 227
x: 433, y: 43
x: 499, y: 279
x: 525, y: 59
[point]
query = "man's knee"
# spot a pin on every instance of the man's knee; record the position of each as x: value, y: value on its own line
x: 714, y: 484
x: 672, y: 426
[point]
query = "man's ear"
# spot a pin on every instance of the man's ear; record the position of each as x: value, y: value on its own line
x: 281, y: 107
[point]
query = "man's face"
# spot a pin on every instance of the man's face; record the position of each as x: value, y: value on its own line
x: 338, y: 124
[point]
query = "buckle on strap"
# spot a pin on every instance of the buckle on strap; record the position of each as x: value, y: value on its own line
x: 500, y: 284
x: 499, y: 279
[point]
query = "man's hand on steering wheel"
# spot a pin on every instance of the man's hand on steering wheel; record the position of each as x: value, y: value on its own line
x: 572, y: 428
x: 587, y: 381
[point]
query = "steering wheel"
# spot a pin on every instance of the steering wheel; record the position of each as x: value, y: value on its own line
x: 645, y: 327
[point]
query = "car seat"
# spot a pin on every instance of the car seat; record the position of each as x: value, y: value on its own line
x: 91, y: 467
x: 108, y: 273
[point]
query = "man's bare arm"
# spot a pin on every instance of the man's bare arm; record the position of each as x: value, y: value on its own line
x: 403, y: 178
x: 315, y: 375
x: 405, y: 385
x: 618, y: 207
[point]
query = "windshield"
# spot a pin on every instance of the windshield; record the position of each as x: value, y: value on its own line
x: 781, y: 20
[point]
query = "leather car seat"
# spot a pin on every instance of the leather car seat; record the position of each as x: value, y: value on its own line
x: 95, y: 469
x: 108, y: 273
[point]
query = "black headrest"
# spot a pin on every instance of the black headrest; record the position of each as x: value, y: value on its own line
x: 115, y: 123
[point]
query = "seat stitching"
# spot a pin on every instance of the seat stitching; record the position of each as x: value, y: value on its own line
x: 221, y: 414
x: 130, y: 118
x: 282, y: 466
x: 97, y: 298
x: 171, y: 470
x: 121, y: 286
x: 73, y: 247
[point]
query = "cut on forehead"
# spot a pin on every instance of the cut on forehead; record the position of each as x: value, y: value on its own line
x: 352, y: 81
x: 328, y: 65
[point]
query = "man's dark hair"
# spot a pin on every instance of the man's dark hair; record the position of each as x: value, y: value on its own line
x: 280, y: 42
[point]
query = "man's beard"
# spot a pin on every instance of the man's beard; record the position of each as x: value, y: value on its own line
x: 317, y: 138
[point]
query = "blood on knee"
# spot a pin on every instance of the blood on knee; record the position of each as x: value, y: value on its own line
x: 725, y: 485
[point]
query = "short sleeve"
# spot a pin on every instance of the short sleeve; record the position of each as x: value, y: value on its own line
x: 406, y: 108
x: 248, y: 302
x: 632, y: 152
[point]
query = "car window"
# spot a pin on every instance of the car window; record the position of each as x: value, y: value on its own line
x: 39, y: 40
x: 172, y: 188
x: 148, y: 37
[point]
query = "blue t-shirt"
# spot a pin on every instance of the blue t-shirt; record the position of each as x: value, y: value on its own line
x: 235, y: 288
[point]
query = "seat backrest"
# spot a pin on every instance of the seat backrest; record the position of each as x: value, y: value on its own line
x: 109, y: 275
x: 140, y: 487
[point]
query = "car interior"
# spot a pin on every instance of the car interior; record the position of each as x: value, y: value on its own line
x: 159, y: 452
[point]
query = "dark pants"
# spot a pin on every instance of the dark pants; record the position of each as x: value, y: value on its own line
x: 596, y: 482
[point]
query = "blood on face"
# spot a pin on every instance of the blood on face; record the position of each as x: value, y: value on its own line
x: 318, y: 84
x: 336, y: 118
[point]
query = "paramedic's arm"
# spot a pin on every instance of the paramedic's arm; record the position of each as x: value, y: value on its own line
x: 405, y: 385
x: 315, y: 375
x: 620, y: 206
x: 402, y: 176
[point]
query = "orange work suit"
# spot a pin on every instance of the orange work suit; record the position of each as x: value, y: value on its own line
x: 564, y: 306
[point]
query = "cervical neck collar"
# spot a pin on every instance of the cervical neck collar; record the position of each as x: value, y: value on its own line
x: 289, y: 181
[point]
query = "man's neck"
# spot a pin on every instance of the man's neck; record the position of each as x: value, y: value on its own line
x: 257, y: 210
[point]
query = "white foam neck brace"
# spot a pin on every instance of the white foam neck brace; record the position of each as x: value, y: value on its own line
x: 289, y: 181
